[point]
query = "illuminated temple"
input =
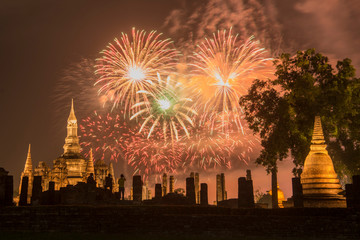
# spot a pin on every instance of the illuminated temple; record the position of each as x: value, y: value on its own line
x: 319, y: 180
x: 69, y: 168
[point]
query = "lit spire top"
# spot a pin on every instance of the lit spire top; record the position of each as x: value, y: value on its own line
x: 90, y: 164
x: 29, y: 152
x: 72, y: 117
x: 91, y: 155
x: 72, y: 146
x: 318, y: 141
x: 28, y: 163
x: 318, y: 136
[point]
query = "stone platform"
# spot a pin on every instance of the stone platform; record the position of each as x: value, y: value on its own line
x: 179, y: 222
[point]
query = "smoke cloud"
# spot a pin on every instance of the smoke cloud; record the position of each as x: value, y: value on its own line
x: 331, y: 27
x: 198, y: 19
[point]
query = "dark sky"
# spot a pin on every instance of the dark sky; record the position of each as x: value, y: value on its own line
x: 41, y: 38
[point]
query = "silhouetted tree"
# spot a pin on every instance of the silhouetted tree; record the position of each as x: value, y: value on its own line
x: 282, y: 111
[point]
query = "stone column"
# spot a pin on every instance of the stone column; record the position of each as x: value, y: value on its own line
x: 349, y: 195
x: 220, y: 188
x: 190, y: 190
x: 245, y: 193
x: 158, y: 191
x: 274, y: 190
x: 9, y: 191
x: 297, y: 192
x: 24, y: 191
x: 204, y: 194
x: 197, y: 188
x: 248, y: 174
x: 171, y: 187
x: 164, y: 185
x: 353, y: 193
x: 137, y: 188
x: 51, y: 193
x: 36, y: 191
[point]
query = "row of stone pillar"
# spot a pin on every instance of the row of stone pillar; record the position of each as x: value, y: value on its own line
x: 36, y: 194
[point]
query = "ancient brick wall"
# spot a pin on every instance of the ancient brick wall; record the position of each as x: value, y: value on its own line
x: 301, y: 223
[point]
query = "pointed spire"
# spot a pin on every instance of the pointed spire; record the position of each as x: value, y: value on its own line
x: 90, y: 164
x: 28, y: 163
x: 72, y: 141
x: 29, y: 152
x: 111, y: 169
x: 318, y: 135
x: 91, y: 155
x: 72, y: 112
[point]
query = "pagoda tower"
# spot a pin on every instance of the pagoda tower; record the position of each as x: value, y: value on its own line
x: 319, y: 180
x: 71, y: 166
x: 72, y: 146
x: 28, y: 172
x: 90, y: 165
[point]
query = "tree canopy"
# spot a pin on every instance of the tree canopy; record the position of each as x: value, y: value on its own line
x: 282, y: 110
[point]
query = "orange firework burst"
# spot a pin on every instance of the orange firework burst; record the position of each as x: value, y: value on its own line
x: 129, y: 66
x: 223, y: 70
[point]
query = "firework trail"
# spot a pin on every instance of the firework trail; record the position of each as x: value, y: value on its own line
x: 207, y: 150
x: 106, y: 135
x: 210, y: 148
x: 168, y: 109
x: 223, y: 71
x: 153, y: 156
x: 111, y: 137
x: 128, y: 66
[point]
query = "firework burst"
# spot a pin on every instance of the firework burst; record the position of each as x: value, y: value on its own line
x: 129, y: 66
x: 223, y: 70
x: 207, y: 150
x: 112, y: 137
x: 106, y: 135
x: 153, y: 156
x: 167, y: 109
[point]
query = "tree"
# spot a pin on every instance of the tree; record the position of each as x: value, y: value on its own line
x: 282, y: 111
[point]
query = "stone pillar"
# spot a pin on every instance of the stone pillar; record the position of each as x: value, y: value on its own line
x: 297, y: 192
x: 353, y: 193
x: 197, y: 188
x: 158, y: 191
x: 51, y: 193
x: 245, y: 193
x: 248, y: 174
x: 274, y: 189
x: 190, y: 190
x: 220, y: 188
x: 171, y: 187
x: 36, y: 191
x: 24, y: 191
x: 349, y: 195
x: 164, y: 184
x: 52, y: 186
x: 3, y: 175
x: 137, y: 188
x: 6, y: 188
x: 9, y: 191
x: 204, y: 194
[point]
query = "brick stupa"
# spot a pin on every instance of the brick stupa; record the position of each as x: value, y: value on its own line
x: 319, y: 180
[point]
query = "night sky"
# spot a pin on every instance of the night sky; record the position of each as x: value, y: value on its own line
x: 41, y: 39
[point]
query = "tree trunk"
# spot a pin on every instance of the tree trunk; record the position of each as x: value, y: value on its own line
x: 274, y: 196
